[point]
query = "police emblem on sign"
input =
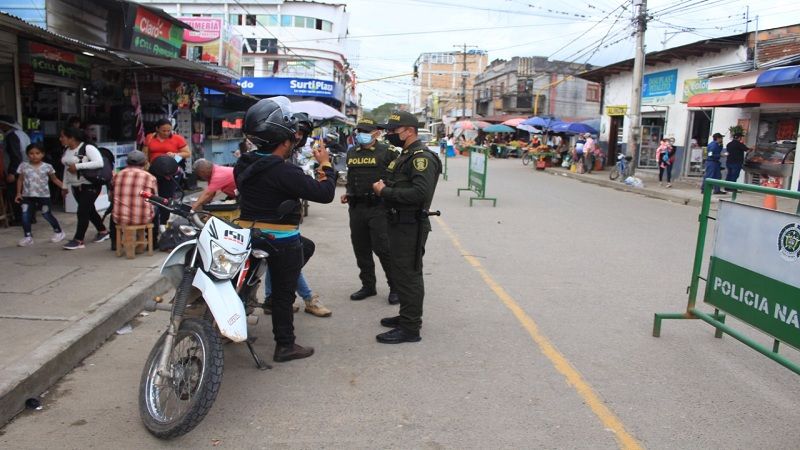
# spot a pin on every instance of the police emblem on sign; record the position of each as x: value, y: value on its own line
x: 789, y: 242
x: 421, y: 164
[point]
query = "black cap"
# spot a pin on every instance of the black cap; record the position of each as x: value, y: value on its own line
x: 399, y: 119
x: 366, y: 124
x: 717, y: 135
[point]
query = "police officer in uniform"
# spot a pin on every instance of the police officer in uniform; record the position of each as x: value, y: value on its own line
x: 407, y: 194
x: 265, y: 180
x: 366, y: 163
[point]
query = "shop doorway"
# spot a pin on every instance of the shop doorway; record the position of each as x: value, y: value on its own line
x: 652, y: 132
x: 699, y: 135
x: 615, y: 139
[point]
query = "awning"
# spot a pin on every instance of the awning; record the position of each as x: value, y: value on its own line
x: 218, y: 78
x: 781, y: 76
x: 745, y: 97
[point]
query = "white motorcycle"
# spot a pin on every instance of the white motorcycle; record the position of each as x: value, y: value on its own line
x: 216, y: 275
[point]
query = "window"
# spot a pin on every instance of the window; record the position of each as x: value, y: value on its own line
x: 286, y: 21
x: 235, y: 19
x: 326, y: 26
x: 248, y: 71
x: 299, y: 68
x: 593, y: 92
x: 250, y: 20
x: 267, y: 20
x: 311, y: 22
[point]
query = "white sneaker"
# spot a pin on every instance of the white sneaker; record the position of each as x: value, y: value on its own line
x: 26, y: 241
x: 57, y: 237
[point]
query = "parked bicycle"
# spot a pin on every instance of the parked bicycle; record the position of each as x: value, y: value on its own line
x: 623, y: 167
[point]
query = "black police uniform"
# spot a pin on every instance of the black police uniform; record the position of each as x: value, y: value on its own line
x: 368, y: 233
x: 265, y: 181
x: 409, y: 190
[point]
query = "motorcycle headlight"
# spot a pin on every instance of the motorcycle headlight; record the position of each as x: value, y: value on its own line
x: 224, y: 265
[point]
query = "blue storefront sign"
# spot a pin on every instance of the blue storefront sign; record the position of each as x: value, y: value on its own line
x: 659, y: 88
x: 306, y: 87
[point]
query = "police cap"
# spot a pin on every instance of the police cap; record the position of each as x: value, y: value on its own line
x: 399, y: 119
x: 366, y: 125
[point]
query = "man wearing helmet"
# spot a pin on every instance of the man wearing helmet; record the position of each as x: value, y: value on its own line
x: 264, y: 181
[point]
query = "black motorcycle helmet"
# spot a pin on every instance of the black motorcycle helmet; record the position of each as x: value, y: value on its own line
x: 305, y: 126
x: 270, y: 122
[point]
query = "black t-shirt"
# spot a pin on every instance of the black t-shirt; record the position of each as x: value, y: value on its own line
x: 736, y: 151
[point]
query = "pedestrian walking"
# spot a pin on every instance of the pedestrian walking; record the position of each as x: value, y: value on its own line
x: 407, y: 193
x: 33, y: 192
x: 665, y: 155
x: 590, y: 152
x: 579, y: 155
x: 366, y: 164
x: 78, y: 156
x: 736, y: 150
x: 15, y: 141
x: 713, y: 164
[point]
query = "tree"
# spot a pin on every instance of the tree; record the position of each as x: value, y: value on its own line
x: 380, y: 114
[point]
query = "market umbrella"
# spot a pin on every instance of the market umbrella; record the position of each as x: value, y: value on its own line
x: 514, y: 122
x: 318, y: 110
x: 498, y: 129
x: 470, y: 124
x: 573, y: 128
x: 541, y: 122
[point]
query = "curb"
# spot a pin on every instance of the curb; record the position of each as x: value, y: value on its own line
x: 57, y: 356
x: 670, y: 197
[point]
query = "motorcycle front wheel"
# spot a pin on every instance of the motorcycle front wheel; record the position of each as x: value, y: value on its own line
x: 527, y: 158
x: 614, y: 174
x: 171, y: 406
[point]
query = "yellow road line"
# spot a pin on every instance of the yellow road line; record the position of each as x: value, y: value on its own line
x: 559, y: 361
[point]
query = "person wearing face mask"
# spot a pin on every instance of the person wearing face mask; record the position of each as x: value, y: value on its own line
x: 407, y: 193
x: 366, y: 164
x: 265, y: 180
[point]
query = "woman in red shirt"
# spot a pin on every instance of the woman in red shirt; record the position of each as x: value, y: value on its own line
x: 165, y: 143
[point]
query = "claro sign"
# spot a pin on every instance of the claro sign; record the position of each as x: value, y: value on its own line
x: 288, y: 86
x: 154, y: 35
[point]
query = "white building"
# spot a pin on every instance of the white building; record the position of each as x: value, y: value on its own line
x: 675, y: 76
x: 292, y: 48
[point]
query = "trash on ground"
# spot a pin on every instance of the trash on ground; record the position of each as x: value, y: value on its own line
x: 33, y: 403
x: 635, y: 182
x: 126, y: 329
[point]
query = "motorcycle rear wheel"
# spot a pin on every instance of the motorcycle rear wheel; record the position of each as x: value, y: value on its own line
x: 614, y: 174
x: 527, y: 158
x: 172, y: 407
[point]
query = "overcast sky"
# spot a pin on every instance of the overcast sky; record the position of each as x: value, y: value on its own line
x: 507, y: 28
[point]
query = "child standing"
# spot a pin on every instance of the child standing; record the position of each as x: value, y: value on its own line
x: 33, y: 192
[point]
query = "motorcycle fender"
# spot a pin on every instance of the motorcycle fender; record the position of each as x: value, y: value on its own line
x: 224, y: 303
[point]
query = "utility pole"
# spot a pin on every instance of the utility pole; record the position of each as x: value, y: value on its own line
x: 635, y: 134
x: 464, y: 77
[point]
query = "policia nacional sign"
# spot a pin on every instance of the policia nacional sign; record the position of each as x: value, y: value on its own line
x: 754, y: 272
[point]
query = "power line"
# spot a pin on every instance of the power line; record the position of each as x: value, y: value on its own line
x: 622, y: 5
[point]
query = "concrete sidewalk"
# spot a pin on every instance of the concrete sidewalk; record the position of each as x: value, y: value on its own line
x: 58, y: 306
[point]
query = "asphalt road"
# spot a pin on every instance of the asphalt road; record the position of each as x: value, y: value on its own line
x: 537, y: 328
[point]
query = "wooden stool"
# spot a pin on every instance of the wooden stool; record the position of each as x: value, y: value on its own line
x: 131, y: 236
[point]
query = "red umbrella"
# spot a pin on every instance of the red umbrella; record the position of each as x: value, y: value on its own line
x: 470, y: 124
x: 514, y: 122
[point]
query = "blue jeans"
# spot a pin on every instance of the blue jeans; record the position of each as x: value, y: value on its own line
x: 303, y: 289
x: 713, y: 170
x: 29, y: 207
x: 733, y: 171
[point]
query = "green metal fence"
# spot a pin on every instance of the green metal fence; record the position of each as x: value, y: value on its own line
x: 753, y: 272
x: 476, y: 175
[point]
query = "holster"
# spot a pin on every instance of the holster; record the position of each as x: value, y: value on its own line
x: 403, y: 217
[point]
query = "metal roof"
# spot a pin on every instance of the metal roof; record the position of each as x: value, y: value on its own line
x: 698, y: 48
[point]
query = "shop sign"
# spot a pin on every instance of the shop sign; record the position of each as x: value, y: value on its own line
x: 694, y: 86
x: 49, y: 60
x: 659, y: 88
x: 616, y: 110
x: 287, y: 86
x: 206, y: 37
x: 232, y: 49
x: 260, y: 45
x: 155, y: 35
x: 757, y: 278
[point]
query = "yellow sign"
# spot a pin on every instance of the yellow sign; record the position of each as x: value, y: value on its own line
x: 616, y: 110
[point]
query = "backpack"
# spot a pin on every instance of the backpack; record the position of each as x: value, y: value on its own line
x: 103, y: 175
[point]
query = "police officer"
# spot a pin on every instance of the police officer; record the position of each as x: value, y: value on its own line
x: 366, y: 163
x: 713, y: 163
x: 407, y: 194
x: 265, y: 181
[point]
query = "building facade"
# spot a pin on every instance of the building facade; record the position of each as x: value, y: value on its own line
x: 683, y: 97
x: 439, y: 91
x: 291, y: 48
x: 536, y: 86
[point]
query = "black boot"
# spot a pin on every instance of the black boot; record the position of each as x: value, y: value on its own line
x: 393, y: 298
x: 285, y: 353
x: 397, y: 336
x: 363, y: 293
x: 391, y: 322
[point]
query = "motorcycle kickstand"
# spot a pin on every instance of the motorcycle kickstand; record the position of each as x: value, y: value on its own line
x: 259, y: 363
